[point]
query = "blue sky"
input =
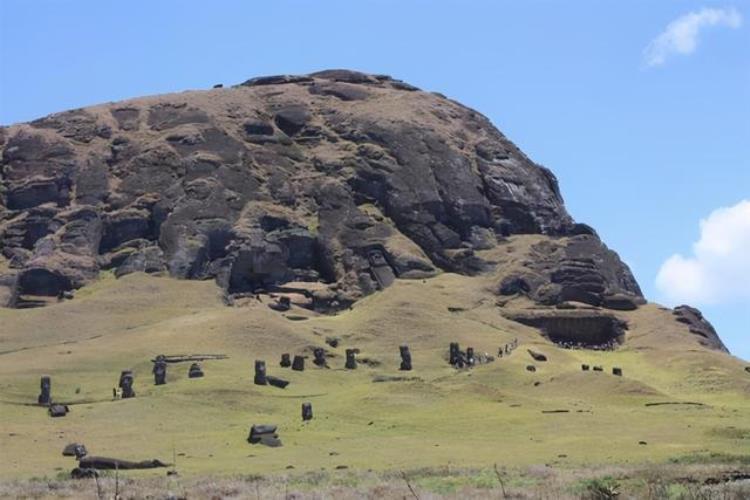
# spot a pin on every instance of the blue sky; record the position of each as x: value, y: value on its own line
x: 643, y: 153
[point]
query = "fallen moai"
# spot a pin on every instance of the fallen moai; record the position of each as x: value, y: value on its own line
x: 537, y: 356
x: 75, y: 450
x: 260, y: 373
x: 277, y: 382
x: 405, y: 358
x: 598, y: 369
x: 58, y: 410
x: 531, y: 368
x: 307, y: 413
x: 264, y: 434
x: 185, y: 358
x: 106, y: 463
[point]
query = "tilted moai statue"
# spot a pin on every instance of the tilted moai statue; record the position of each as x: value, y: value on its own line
x: 286, y: 360
x: 160, y: 371
x: 351, y: 359
x: 307, y: 413
x: 195, y: 371
x: 405, y: 357
x: 320, y: 357
x: 470, y: 359
x: 45, y: 396
x: 454, y: 353
x: 299, y: 363
x: 126, y: 384
x: 260, y: 372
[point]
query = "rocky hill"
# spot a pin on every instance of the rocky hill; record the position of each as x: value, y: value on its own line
x: 323, y: 188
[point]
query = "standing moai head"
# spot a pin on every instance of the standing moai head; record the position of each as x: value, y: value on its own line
x: 617, y: 371
x: 405, y: 357
x: 307, y: 413
x: 260, y: 372
x: 585, y: 367
x: 124, y: 374
x: 286, y: 360
x: 195, y: 371
x: 299, y: 363
x: 45, y: 395
x: 160, y: 372
x: 351, y: 359
x: 126, y: 384
x: 320, y: 357
x: 470, y: 359
x: 454, y: 350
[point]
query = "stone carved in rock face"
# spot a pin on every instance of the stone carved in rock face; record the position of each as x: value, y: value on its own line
x: 405, y: 358
x: 45, y: 396
x: 260, y: 373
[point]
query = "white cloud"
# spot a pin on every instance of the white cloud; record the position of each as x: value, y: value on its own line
x: 681, y: 36
x: 719, y: 269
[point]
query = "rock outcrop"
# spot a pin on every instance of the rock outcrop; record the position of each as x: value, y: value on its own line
x: 337, y: 178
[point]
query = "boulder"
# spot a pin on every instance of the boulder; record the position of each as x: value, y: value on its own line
x: 57, y: 410
x: 264, y: 434
x: 276, y: 381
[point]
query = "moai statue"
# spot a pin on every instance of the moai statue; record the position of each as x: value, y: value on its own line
x: 286, y: 361
x: 299, y: 363
x: 195, y: 371
x: 470, y: 359
x: 405, y: 357
x: 320, y: 357
x: 351, y: 360
x: 260, y: 372
x: 500, y: 352
x: 598, y: 369
x: 307, y: 413
x: 531, y: 368
x: 454, y: 350
x: 160, y: 371
x: 45, y: 397
x: 126, y: 384
x: 617, y: 371
x: 507, y: 348
x: 585, y: 367
x: 282, y: 304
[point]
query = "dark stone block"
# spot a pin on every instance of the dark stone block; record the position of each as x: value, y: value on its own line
x: 75, y: 450
x: 260, y: 373
x: 299, y: 363
x: 277, y: 382
x: 307, y: 413
x: 264, y: 434
x: 617, y: 371
x: 585, y: 368
x: 351, y: 359
x: 286, y: 361
x: 56, y: 410
x: 195, y: 371
x: 531, y: 368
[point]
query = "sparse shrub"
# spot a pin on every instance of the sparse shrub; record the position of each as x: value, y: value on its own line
x: 600, y: 488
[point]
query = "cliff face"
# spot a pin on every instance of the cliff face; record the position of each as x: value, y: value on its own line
x: 331, y: 184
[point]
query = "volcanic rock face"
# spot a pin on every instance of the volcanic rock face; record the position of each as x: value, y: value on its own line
x: 338, y: 177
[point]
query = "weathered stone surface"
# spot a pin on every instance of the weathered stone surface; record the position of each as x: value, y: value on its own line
x: 338, y: 178
x: 698, y: 325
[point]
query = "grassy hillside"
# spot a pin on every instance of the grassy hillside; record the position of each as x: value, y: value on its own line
x: 435, y: 416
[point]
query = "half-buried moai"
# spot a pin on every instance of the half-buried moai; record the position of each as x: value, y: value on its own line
x: 260, y: 372
x: 405, y: 358
x: 320, y: 357
x: 351, y: 359
x: 585, y: 367
x: 470, y: 359
x: 126, y: 384
x: 286, y: 360
x: 45, y: 396
x: 195, y: 371
x: 307, y: 413
x: 299, y: 363
x: 160, y: 371
x: 454, y: 353
x: 617, y: 371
